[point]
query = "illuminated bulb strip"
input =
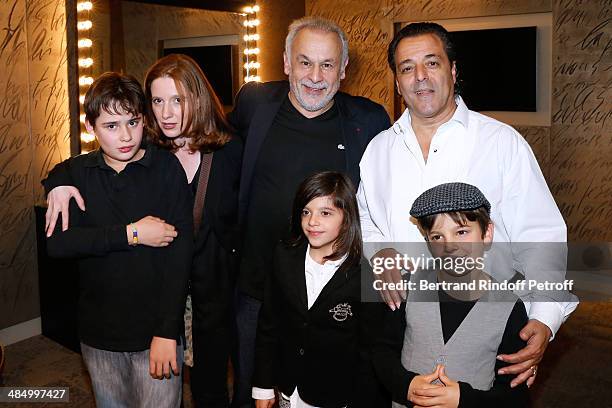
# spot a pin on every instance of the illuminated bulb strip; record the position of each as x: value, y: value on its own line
x: 84, y: 25
x: 251, y: 23
x: 251, y: 10
x: 84, y: 6
x: 85, y: 62
x: 85, y: 43
x: 251, y: 65
x: 85, y: 80
x: 251, y: 37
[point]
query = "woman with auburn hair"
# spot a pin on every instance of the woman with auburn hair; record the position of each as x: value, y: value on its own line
x: 185, y: 116
x: 204, y: 125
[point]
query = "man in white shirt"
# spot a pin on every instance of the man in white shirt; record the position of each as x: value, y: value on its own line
x: 438, y: 140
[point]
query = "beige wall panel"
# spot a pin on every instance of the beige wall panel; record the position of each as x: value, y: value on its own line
x: 581, y: 143
x: 18, y: 291
x: 538, y: 138
x: 48, y: 80
x: 33, y: 137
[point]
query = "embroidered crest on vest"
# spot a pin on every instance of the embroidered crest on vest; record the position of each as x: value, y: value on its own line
x: 341, y: 312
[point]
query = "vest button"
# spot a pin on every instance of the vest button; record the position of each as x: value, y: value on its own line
x: 440, y: 360
x: 301, y: 352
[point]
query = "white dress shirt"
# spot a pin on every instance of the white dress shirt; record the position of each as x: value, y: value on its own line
x: 475, y: 149
x: 317, y: 276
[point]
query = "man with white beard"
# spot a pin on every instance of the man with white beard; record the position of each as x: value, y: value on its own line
x: 290, y: 131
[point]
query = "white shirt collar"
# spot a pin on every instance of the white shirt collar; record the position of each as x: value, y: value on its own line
x: 460, y: 115
x: 335, y: 264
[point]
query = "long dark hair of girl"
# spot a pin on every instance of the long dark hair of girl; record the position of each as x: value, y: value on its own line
x: 342, y: 191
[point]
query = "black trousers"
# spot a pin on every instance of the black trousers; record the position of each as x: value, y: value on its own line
x: 211, y: 352
x: 212, y: 294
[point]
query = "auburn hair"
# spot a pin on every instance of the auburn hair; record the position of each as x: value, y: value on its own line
x: 206, y: 127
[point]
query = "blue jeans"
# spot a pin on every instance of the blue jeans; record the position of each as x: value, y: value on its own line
x: 122, y: 379
x: 247, y: 312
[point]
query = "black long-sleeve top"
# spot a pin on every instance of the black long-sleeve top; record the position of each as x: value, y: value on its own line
x: 128, y: 294
x: 388, y: 347
x: 217, y: 245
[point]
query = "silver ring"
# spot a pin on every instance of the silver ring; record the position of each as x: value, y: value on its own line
x: 534, y: 370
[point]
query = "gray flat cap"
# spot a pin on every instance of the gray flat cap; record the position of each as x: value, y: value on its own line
x: 449, y: 197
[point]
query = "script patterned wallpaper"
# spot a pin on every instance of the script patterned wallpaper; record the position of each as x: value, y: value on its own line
x: 581, y: 136
x: 575, y: 152
x: 34, y: 135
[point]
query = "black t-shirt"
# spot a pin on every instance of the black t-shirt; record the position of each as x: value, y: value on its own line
x: 294, y: 148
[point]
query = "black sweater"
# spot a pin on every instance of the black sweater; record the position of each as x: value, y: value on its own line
x: 127, y: 294
x: 217, y: 246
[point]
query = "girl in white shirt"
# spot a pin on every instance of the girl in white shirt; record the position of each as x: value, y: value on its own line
x: 307, y: 336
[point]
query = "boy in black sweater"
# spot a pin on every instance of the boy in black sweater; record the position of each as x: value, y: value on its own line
x: 132, y: 288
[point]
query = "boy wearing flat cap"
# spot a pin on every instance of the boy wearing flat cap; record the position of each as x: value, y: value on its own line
x: 440, y: 348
